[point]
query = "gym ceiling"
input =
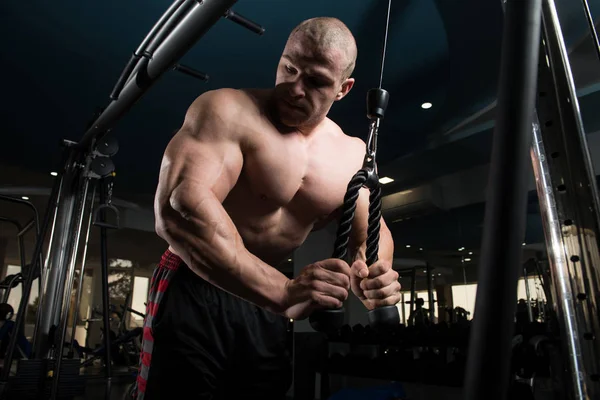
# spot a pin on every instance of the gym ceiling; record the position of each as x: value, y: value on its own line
x: 61, y: 59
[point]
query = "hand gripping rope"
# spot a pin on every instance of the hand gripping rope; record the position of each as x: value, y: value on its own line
x: 367, y: 176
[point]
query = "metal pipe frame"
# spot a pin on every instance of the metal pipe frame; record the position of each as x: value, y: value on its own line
x: 51, y: 212
x: 552, y: 231
x: 430, y: 293
x: 592, y: 26
x: 105, y: 296
x: 135, y: 57
x: 35, y: 221
x: 505, y: 216
x: 72, y: 190
x: 60, y: 251
x: 176, y: 12
x: 11, y: 283
x: 21, y: 245
x: 19, y: 239
x: 59, y: 340
x: 569, y: 204
x: 527, y: 293
x: 37, y: 254
x: 39, y: 263
x: 413, y: 291
x: 82, y: 273
x: 27, y: 227
x: 180, y: 40
x: 21, y: 231
x: 402, y: 312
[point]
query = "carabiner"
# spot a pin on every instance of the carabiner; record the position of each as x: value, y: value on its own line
x: 369, y: 162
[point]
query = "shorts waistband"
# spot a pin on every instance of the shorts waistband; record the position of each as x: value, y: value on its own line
x: 170, y: 260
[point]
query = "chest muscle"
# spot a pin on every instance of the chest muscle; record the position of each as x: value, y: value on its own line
x: 309, y: 180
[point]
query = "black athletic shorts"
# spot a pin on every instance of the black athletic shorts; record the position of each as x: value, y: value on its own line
x: 201, y: 342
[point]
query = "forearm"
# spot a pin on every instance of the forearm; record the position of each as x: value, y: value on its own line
x: 208, y: 241
x: 386, y: 245
x: 385, y: 251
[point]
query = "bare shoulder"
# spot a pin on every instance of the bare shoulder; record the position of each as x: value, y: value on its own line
x: 227, y: 109
x: 353, y: 146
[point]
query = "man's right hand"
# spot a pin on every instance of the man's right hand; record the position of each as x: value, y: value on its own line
x: 321, y: 285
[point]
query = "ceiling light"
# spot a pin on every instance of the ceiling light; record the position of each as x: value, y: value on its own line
x: 426, y: 106
x: 470, y: 253
x: 25, y: 197
x: 524, y: 243
x: 385, y: 180
x: 289, y: 260
x: 424, y: 271
x: 408, y: 246
x: 467, y: 259
x: 420, y: 249
x: 54, y: 173
x: 440, y: 274
x: 461, y: 248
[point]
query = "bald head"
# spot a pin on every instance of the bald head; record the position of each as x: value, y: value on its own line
x: 313, y: 72
x: 326, y: 34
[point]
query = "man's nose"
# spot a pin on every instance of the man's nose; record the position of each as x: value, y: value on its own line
x: 296, y: 89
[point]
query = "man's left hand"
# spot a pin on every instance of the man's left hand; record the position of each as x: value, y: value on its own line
x: 376, y: 286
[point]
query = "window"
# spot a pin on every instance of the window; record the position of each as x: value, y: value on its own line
x: 405, y: 311
x: 15, y: 295
x: 138, y: 300
x: 120, y: 278
x: 464, y: 296
x: 535, y: 289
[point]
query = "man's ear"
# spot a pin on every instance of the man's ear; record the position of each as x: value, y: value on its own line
x: 346, y: 87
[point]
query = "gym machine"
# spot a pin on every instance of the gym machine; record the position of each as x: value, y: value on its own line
x: 411, y: 273
x: 12, y: 281
x: 540, y: 117
x: 87, y: 165
x: 544, y: 121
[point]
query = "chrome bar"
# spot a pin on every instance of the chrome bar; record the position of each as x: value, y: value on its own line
x: 60, y: 252
x: 68, y: 289
x: 53, y: 204
x: 528, y: 294
x: 569, y: 205
x: 82, y: 271
x: 564, y: 302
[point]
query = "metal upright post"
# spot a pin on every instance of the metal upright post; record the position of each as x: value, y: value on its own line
x: 430, y: 293
x: 413, y: 291
x: 569, y: 205
x: 505, y: 215
x: 527, y: 294
x: 37, y: 254
x: 183, y: 24
x: 82, y: 271
x: 51, y: 213
x: 60, y: 252
x: 20, y: 243
x: 61, y: 330
x: 105, y: 295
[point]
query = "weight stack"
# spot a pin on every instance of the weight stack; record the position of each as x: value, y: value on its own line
x: 33, y: 376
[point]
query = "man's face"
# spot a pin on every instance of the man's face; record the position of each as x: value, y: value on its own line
x: 308, y: 82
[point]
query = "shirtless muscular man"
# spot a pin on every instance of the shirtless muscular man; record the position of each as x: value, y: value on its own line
x: 243, y: 182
